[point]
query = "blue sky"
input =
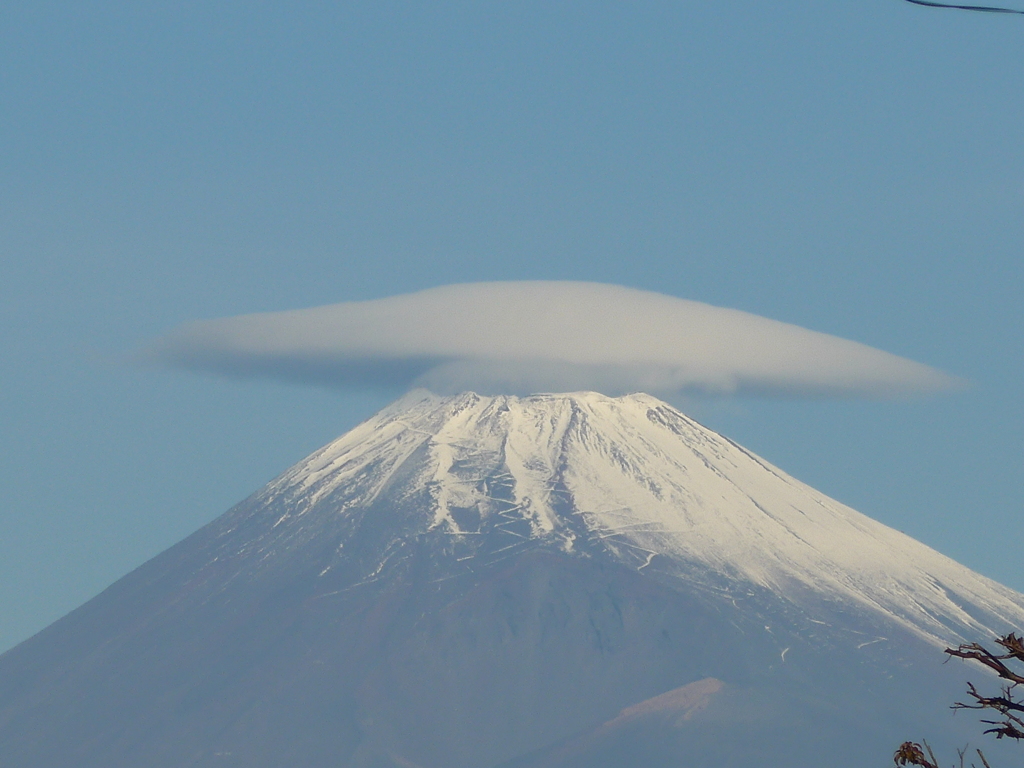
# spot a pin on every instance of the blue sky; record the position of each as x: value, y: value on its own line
x: 854, y: 168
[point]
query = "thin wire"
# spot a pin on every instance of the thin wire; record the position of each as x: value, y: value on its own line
x: 983, y: 8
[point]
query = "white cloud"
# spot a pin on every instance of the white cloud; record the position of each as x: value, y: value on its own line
x: 522, y: 337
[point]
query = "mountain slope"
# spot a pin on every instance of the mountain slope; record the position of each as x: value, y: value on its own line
x: 468, y: 582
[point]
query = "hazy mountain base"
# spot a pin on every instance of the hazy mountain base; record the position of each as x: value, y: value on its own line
x: 520, y: 666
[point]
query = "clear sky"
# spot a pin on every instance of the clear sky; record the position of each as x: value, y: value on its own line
x: 855, y: 168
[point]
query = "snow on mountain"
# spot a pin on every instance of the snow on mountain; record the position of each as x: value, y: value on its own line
x: 630, y: 479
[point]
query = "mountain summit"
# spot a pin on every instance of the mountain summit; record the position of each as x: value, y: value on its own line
x: 467, y: 582
x: 628, y: 480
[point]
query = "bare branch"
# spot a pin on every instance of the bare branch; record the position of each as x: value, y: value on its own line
x: 1004, y: 704
x: 994, y: 662
x: 1004, y: 728
x: 1014, y: 645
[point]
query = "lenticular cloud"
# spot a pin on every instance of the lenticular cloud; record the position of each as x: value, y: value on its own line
x: 523, y: 337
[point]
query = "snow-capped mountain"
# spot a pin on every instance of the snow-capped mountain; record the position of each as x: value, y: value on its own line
x: 471, y: 582
x: 629, y: 479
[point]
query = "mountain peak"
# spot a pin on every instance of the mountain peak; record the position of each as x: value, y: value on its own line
x: 629, y: 480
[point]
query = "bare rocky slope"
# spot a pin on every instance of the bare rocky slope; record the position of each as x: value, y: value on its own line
x: 551, y: 581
